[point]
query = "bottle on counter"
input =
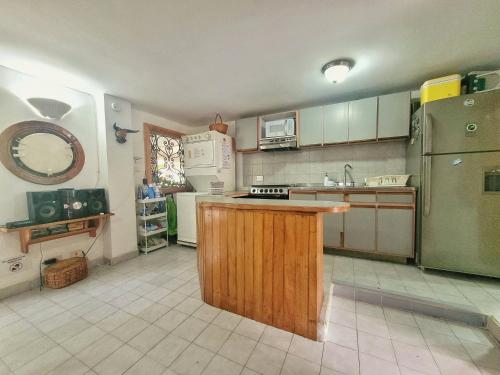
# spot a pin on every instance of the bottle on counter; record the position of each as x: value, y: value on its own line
x: 326, y: 180
x: 157, y: 191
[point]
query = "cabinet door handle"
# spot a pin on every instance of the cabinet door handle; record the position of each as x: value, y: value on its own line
x: 428, y: 134
x: 427, y: 185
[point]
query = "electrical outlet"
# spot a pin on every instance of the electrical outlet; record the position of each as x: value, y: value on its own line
x: 259, y: 178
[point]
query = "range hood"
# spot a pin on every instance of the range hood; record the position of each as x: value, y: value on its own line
x: 278, y: 143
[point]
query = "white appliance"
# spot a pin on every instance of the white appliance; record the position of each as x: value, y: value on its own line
x: 280, y: 128
x: 208, y: 157
x: 186, y: 218
x: 278, y: 134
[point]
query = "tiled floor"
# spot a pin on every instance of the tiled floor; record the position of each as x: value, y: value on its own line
x: 475, y: 293
x: 145, y: 316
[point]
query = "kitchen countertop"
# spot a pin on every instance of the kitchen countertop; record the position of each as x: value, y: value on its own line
x: 354, y: 188
x: 319, y: 187
x: 273, y: 204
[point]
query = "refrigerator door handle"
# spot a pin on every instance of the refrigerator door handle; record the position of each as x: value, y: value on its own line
x: 427, y: 185
x: 428, y: 134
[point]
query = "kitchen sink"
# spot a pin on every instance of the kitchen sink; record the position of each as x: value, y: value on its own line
x: 337, y: 185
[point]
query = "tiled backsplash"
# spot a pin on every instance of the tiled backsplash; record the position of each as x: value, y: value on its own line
x: 309, y: 166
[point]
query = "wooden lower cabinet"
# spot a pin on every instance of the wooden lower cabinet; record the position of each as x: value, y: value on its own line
x: 395, y: 231
x: 359, y: 229
x: 333, y: 224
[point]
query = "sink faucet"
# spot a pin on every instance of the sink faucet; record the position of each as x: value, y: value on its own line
x: 345, y: 174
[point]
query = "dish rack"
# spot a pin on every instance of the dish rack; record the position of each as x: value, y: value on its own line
x: 388, y: 180
x: 216, y: 188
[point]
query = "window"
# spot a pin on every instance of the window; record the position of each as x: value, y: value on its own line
x: 164, y: 157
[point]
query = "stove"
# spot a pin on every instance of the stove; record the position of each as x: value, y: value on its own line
x: 269, y: 191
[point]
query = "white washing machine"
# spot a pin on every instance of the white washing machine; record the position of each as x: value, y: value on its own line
x: 208, y: 157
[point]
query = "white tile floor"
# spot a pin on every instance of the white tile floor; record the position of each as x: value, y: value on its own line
x: 145, y: 316
x: 474, y: 293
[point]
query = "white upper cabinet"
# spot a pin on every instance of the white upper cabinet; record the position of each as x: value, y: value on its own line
x: 363, y: 119
x: 394, y: 115
x: 336, y: 122
x: 246, y: 134
x: 311, y: 126
x: 370, y: 119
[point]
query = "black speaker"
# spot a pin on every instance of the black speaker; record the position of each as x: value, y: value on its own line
x: 93, y: 200
x: 44, y: 206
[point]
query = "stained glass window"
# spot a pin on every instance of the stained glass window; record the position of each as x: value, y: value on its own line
x: 166, y: 157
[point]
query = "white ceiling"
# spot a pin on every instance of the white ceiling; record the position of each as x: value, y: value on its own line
x: 187, y: 59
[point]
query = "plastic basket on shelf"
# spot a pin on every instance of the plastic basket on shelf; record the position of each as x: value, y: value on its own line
x: 387, y: 180
x: 216, y: 188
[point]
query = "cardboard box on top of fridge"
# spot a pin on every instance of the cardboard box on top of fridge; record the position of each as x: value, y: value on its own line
x: 440, y: 88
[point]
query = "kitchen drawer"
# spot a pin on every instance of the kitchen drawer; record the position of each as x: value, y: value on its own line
x: 303, y: 196
x: 329, y: 197
x: 395, y: 198
x: 368, y: 198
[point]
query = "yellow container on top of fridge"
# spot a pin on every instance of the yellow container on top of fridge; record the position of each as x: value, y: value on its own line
x: 440, y: 88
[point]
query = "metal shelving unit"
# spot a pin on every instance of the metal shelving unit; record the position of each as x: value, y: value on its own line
x: 144, y: 205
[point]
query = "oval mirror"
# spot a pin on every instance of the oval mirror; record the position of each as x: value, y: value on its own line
x: 41, y: 152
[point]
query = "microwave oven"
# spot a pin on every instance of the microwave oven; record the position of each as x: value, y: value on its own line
x: 279, y: 128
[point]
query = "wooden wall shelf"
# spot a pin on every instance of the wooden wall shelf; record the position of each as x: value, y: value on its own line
x: 90, y: 226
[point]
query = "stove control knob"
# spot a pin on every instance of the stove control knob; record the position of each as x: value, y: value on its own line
x: 281, y: 190
x: 265, y: 190
x: 261, y: 190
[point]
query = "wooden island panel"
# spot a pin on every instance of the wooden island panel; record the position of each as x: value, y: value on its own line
x: 265, y: 265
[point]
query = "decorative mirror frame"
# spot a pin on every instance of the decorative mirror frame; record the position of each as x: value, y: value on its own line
x: 25, y: 128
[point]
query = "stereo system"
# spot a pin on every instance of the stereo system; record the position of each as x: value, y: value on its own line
x: 64, y: 204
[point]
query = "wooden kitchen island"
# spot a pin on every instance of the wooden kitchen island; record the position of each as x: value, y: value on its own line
x: 263, y: 259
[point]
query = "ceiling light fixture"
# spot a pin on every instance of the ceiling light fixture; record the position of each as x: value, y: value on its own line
x: 336, y: 71
x: 51, y: 109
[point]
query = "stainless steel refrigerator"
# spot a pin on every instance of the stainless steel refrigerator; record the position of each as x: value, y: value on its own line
x: 454, y: 160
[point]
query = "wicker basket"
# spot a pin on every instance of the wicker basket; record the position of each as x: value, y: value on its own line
x: 219, y: 126
x: 66, y: 272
